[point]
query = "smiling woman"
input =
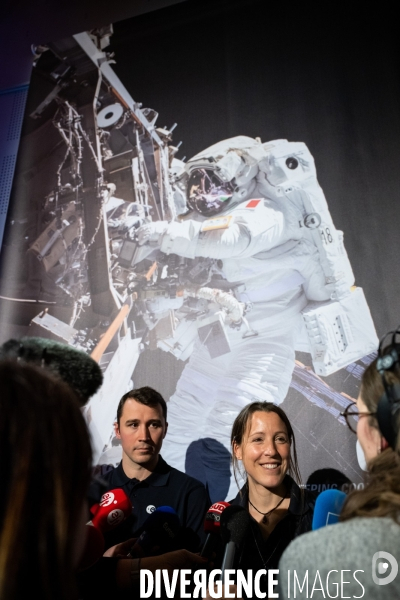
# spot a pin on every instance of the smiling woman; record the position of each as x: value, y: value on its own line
x: 263, y: 441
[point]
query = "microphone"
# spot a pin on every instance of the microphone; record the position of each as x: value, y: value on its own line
x: 113, y: 508
x: 160, y: 530
x: 328, y: 506
x: 235, y: 523
x: 212, y: 527
x: 73, y: 366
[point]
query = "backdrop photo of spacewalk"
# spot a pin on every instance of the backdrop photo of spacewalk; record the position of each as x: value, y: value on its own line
x: 217, y: 277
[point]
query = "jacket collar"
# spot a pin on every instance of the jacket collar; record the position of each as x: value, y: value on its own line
x: 158, y: 478
x: 297, y: 504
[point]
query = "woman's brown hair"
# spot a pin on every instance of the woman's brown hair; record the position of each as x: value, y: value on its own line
x: 240, y: 427
x: 45, y: 468
x: 381, y: 494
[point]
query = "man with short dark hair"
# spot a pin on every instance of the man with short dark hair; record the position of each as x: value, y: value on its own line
x: 145, y: 477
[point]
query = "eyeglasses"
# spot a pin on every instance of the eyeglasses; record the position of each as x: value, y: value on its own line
x: 352, y: 414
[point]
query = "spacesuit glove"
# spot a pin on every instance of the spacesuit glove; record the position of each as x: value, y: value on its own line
x: 151, y: 233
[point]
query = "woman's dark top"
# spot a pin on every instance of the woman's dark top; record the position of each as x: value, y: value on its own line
x: 257, y: 553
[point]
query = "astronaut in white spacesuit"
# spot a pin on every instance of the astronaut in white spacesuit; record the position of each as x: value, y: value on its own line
x: 259, y: 210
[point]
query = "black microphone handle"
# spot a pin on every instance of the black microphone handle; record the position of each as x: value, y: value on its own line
x: 209, y: 544
x: 207, y: 549
x: 229, y: 557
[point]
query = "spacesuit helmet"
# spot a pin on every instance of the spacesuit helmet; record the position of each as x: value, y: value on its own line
x: 207, y: 193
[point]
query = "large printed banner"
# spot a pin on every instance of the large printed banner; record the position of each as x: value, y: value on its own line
x: 218, y: 278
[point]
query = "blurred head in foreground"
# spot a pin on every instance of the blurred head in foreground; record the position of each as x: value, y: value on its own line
x: 45, y: 468
x: 377, y: 425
